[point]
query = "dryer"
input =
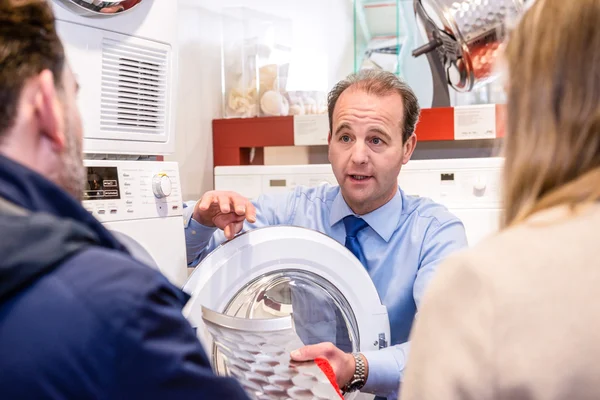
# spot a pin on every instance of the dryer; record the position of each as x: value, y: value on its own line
x: 124, y: 58
x: 141, y: 203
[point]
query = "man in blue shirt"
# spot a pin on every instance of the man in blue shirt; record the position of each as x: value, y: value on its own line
x: 399, y: 239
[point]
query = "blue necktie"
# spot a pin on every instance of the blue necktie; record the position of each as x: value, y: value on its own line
x: 353, y: 226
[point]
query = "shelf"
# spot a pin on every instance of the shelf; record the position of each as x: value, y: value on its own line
x: 234, y: 139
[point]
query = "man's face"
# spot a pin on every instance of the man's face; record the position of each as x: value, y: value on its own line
x: 72, y: 175
x: 366, y: 149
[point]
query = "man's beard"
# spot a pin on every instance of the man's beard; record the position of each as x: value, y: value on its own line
x: 72, y: 175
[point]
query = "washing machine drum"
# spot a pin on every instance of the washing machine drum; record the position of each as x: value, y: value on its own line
x: 283, y: 270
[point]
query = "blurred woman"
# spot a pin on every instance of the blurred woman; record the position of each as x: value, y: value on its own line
x: 518, y: 316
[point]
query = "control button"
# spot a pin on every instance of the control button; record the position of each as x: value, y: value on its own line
x: 101, y: 211
x: 480, y: 183
x: 161, y: 185
x: 113, y: 211
x: 175, y: 207
x: 479, y: 186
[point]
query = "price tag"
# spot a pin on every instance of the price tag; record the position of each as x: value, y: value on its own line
x: 310, y: 130
x: 475, y: 122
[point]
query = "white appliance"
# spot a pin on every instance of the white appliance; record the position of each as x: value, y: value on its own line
x: 125, y: 64
x: 469, y: 188
x: 253, y: 180
x: 141, y: 202
x: 124, y: 58
x: 283, y: 270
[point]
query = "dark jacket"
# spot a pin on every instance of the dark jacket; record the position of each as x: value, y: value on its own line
x: 79, y: 317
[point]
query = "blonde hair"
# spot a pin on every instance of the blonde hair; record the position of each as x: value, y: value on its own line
x: 552, y: 144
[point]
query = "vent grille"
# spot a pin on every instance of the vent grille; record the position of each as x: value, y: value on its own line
x: 134, y: 80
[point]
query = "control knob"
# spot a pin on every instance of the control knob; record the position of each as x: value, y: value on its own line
x: 479, y: 186
x: 161, y: 185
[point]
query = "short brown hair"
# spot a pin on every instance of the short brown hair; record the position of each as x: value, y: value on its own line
x: 29, y: 45
x: 379, y: 83
x: 552, y: 143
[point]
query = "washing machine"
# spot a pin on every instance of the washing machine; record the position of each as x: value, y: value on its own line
x: 469, y: 187
x: 279, y: 271
x: 141, y: 204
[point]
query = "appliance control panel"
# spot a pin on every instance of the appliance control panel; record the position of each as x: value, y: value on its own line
x: 127, y: 190
x: 252, y: 181
x: 455, y: 183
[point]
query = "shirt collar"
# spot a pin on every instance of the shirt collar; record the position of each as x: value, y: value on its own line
x: 383, y: 220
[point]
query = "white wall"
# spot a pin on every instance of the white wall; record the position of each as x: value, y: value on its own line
x: 323, y: 49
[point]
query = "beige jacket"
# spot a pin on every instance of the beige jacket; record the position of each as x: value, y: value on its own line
x: 516, y: 317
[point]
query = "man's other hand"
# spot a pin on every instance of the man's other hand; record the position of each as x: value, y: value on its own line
x: 224, y: 210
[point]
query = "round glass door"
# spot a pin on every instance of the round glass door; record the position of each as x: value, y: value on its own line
x: 99, y: 7
x: 319, y: 312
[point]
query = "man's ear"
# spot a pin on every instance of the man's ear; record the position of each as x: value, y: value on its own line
x: 409, y: 148
x: 49, y: 111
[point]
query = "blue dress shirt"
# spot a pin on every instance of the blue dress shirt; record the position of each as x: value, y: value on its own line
x: 405, y: 241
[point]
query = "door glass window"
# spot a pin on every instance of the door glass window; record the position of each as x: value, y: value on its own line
x: 103, y: 7
x: 319, y: 311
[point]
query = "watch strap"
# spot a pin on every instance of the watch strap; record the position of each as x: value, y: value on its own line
x: 359, y: 378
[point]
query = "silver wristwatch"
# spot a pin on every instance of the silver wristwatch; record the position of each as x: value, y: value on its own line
x: 359, y: 378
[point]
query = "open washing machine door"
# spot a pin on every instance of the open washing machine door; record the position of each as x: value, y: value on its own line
x: 284, y: 270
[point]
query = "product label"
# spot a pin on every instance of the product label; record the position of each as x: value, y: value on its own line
x: 475, y: 122
x: 311, y: 130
